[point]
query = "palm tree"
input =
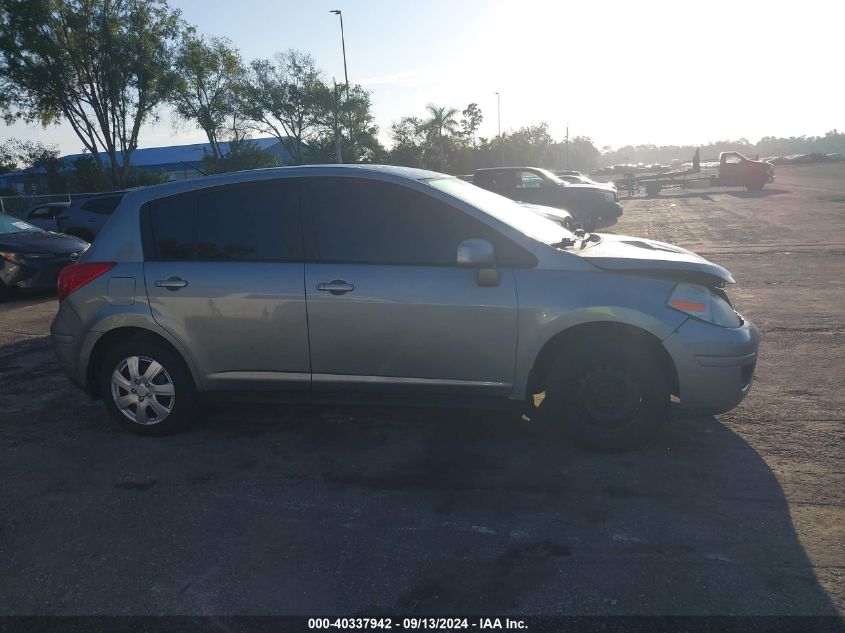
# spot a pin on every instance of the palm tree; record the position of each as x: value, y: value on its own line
x: 441, y: 120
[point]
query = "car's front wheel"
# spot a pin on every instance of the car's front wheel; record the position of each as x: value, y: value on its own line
x: 607, y: 394
x: 147, y: 388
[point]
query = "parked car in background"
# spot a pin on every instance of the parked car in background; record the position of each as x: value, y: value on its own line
x: 84, y: 218
x: 590, y: 205
x: 44, y: 215
x: 559, y: 216
x: 416, y: 285
x: 31, y: 258
x: 577, y: 178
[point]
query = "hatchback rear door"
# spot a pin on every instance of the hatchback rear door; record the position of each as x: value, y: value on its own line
x: 224, y: 275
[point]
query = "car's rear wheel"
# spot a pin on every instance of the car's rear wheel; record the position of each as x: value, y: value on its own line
x: 147, y: 388
x: 607, y: 394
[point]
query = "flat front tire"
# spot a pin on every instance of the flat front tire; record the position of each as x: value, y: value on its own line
x: 147, y: 388
x: 607, y: 394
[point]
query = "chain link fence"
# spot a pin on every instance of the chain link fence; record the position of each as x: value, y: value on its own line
x: 18, y: 205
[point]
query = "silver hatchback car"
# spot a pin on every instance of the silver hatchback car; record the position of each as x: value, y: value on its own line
x: 366, y: 282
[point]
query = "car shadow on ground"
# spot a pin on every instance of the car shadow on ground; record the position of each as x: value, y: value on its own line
x: 16, y: 298
x: 369, y: 510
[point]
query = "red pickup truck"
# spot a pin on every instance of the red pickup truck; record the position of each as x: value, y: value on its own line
x: 735, y: 170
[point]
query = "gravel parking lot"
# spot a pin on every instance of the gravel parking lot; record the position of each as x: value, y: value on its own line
x: 267, y: 509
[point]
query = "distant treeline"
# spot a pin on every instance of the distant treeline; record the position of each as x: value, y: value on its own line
x: 768, y: 146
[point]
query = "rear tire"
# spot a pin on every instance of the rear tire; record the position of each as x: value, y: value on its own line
x: 143, y: 398
x: 607, y: 394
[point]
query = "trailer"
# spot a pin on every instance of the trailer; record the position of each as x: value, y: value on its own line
x: 731, y: 170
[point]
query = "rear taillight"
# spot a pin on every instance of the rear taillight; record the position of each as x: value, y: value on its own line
x: 73, y: 277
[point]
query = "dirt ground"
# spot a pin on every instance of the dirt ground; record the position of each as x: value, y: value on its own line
x: 266, y: 509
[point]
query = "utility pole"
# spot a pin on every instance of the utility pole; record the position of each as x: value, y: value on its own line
x: 567, y: 145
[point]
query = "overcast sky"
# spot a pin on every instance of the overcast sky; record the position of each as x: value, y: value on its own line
x: 620, y: 72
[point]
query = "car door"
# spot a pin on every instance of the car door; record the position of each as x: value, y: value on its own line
x: 388, y: 308
x: 531, y: 187
x: 224, y: 275
x: 731, y: 169
x: 502, y: 182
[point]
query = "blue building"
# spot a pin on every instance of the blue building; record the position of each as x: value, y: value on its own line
x: 178, y: 162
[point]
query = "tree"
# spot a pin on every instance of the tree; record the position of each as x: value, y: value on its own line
x: 363, y: 146
x: 44, y: 173
x: 287, y: 98
x: 208, y: 72
x: 471, y: 121
x: 242, y: 153
x: 441, y: 119
x: 408, y: 135
x: 101, y: 65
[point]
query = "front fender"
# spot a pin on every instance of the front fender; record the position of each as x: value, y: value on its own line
x: 554, y: 301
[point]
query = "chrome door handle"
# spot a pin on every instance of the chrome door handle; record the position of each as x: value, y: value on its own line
x: 336, y: 287
x: 171, y: 283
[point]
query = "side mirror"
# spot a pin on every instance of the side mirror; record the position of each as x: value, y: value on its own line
x: 480, y: 254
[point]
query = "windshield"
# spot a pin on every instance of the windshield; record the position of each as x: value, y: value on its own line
x: 503, y: 209
x: 9, y: 224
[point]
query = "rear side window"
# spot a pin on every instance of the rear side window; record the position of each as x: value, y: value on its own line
x: 256, y: 221
x: 495, y: 180
x: 173, y: 226
x: 103, y: 206
x: 372, y: 222
x: 43, y: 212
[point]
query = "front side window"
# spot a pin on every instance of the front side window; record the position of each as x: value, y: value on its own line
x: 371, y: 222
x: 732, y: 159
x: 255, y: 221
x: 528, y: 180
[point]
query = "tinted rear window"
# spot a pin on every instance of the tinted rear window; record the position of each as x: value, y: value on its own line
x: 247, y: 221
x: 103, y: 206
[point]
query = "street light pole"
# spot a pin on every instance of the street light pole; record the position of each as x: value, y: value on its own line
x: 499, y: 117
x: 339, y: 14
x: 499, y: 112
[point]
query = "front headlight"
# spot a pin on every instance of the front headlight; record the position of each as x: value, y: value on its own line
x: 704, y: 304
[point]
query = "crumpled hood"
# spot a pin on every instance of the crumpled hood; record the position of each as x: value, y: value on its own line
x: 637, y: 255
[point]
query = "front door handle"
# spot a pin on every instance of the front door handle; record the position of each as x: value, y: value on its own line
x: 171, y: 283
x: 336, y: 287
